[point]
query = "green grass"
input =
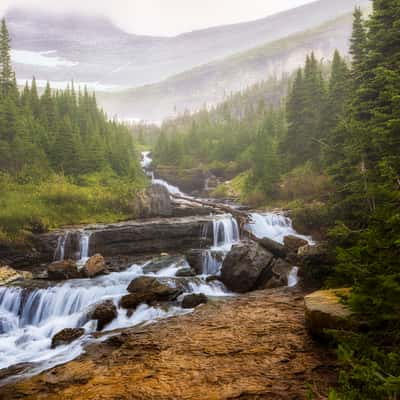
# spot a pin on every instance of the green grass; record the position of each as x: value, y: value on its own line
x: 58, y: 201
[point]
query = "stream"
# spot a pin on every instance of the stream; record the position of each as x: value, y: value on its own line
x: 29, y: 318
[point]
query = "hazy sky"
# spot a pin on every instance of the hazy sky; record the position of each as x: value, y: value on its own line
x: 165, y: 17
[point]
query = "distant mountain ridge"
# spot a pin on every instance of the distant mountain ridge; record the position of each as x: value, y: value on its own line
x: 106, y: 54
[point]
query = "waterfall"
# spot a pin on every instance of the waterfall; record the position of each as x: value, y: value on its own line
x: 273, y: 226
x: 211, y: 264
x: 84, y: 244
x: 59, y: 254
x: 146, y: 160
x: 225, y: 232
x: 293, y: 279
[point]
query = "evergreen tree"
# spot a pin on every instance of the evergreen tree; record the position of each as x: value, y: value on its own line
x: 7, y: 77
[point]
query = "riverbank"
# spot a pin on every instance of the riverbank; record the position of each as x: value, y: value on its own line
x: 250, y: 347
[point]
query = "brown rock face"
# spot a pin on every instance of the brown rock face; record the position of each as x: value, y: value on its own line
x: 252, y: 347
x: 324, y: 310
x: 148, y: 290
x: 194, y: 300
x: 245, y: 266
x: 62, y: 270
x: 280, y: 271
x: 66, y: 336
x: 153, y: 202
x: 294, y: 243
x: 96, y: 265
x: 104, y: 313
x: 195, y: 259
x: 8, y: 275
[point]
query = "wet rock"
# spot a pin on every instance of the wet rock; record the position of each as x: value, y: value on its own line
x: 63, y: 270
x: 165, y: 261
x: 188, y: 180
x: 195, y: 259
x: 153, y: 202
x: 324, y: 310
x: 194, y: 300
x: 277, y: 249
x: 278, y: 276
x: 294, y: 243
x: 66, y: 336
x: 244, y: 266
x: 104, y: 313
x: 95, y: 266
x: 185, y: 272
x: 8, y: 275
x: 148, y: 290
x: 213, y: 278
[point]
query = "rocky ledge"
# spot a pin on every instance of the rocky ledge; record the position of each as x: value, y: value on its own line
x: 251, y: 347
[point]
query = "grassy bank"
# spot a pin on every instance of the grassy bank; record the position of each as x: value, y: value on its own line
x: 37, y: 206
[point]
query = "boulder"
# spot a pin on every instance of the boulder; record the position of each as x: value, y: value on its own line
x: 96, y: 265
x: 324, y: 310
x: 185, y: 272
x: 280, y: 270
x: 8, y: 275
x: 153, y: 202
x: 294, y: 242
x: 104, y: 313
x: 194, y: 300
x: 63, y: 270
x: 245, y: 265
x: 66, y: 336
x: 195, y: 259
x: 147, y: 289
x: 277, y: 249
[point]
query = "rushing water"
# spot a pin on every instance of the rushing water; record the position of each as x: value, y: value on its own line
x: 273, y: 226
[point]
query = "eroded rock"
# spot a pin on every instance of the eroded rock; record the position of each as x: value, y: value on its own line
x: 104, y: 313
x: 324, y: 310
x: 63, y: 270
x: 66, y: 336
x: 244, y: 267
x: 195, y: 259
x: 294, y: 242
x: 194, y: 300
x: 8, y: 275
x: 96, y: 265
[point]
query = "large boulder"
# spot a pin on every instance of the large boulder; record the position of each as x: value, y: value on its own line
x: 63, y: 270
x: 66, y: 336
x: 277, y: 249
x: 245, y: 266
x: 154, y: 201
x: 195, y: 259
x: 280, y: 270
x: 96, y: 265
x: 104, y: 313
x: 194, y: 300
x: 8, y: 275
x: 294, y: 242
x: 148, y: 290
x: 324, y: 309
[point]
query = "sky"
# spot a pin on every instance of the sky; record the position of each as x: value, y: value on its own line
x: 164, y: 17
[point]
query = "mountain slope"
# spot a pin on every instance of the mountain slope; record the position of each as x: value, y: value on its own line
x: 99, y: 51
x: 213, y: 82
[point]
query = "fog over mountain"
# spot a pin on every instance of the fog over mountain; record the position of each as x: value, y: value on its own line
x: 206, y: 63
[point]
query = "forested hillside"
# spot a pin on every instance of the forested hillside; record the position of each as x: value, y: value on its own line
x: 334, y: 140
x: 59, y: 155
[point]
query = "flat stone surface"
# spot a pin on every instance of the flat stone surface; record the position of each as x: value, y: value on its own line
x: 250, y: 347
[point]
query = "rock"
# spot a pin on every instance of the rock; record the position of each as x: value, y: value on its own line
x: 280, y: 271
x: 8, y: 275
x: 104, y: 313
x: 294, y: 242
x: 194, y: 300
x: 165, y: 261
x: 185, y: 272
x: 324, y: 310
x: 154, y: 201
x: 317, y: 263
x: 277, y: 249
x: 213, y: 278
x: 147, y: 289
x: 66, y: 336
x: 63, y: 270
x: 195, y: 259
x: 95, y: 266
x: 244, y: 266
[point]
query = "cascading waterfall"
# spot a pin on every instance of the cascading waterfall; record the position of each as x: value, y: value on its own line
x: 293, y: 278
x: 273, y: 226
x: 225, y: 232
x: 59, y: 254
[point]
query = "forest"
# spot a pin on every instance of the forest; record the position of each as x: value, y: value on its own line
x: 333, y: 145
x: 62, y: 161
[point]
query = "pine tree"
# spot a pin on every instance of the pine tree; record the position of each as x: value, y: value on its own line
x: 7, y: 77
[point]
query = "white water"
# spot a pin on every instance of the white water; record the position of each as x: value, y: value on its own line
x: 146, y: 160
x: 59, y: 254
x: 293, y: 278
x: 273, y: 226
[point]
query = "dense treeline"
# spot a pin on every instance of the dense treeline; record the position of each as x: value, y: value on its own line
x: 341, y: 129
x: 60, y: 137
